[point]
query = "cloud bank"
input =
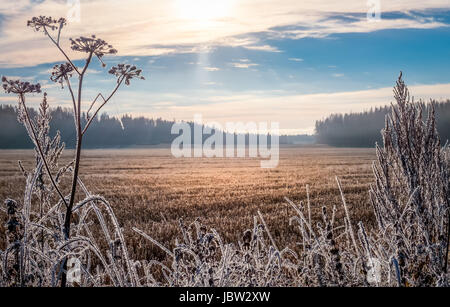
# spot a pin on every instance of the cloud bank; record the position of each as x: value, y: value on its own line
x: 144, y: 28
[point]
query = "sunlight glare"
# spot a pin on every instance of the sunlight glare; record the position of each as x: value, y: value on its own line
x: 203, y: 10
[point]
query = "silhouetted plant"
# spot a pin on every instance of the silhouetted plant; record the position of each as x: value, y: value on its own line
x: 62, y: 73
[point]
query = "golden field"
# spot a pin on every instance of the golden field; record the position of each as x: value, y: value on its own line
x: 151, y: 190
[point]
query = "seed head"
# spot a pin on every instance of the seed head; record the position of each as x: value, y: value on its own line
x: 19, y: 87
x: 61, y: 72
x: 128, y: 72
x: 43, y: 23
x: 94, y: 45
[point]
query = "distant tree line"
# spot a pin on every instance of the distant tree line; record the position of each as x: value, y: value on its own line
x: 363, y: 129
x: 105, y: 131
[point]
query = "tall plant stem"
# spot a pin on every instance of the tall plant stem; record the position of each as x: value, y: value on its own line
x: 62, y: 51
x: 68, y: 216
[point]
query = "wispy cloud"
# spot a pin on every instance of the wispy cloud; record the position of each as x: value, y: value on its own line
x: 266, y: 48
x: 323, y: 28
x: 243, y: 65
x: 157, y: 28
x: 14, y: 7
x: 27, y: 78
x: 211, y: 68
x: 296, y: 59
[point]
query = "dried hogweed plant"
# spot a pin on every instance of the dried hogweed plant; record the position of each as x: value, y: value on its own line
x: 51, y: 230
x: 49, y: 234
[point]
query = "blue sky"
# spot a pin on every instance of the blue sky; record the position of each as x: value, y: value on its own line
x: 249, y: 61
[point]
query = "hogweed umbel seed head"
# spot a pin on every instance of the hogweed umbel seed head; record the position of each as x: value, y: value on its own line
x: 93, y: 45
x: 127, y: 72
x: 61, y: 72
x: 42, y: 23
x: 19, y: 87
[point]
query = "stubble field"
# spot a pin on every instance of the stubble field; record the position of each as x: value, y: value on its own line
x: 151, y: 190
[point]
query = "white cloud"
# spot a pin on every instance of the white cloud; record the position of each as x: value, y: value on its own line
x: 295, y: 59
x: 50, y: 70
x: 338, y: 75
x: 13, y: 7
x: 143, y: 28
x: 93, y: 71
x: 266, y: 48
x: 211, y: 68
x: 359, y: 27
x: 28, y: 78
x: 243, y: 65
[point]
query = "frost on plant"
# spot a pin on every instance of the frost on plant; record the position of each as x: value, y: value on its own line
x: 411, y: 194
x: 50, y: 225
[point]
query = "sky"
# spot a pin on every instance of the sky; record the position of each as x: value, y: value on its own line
x: 285, y: 61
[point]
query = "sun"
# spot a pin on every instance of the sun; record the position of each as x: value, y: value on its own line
x: 203, y: 10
